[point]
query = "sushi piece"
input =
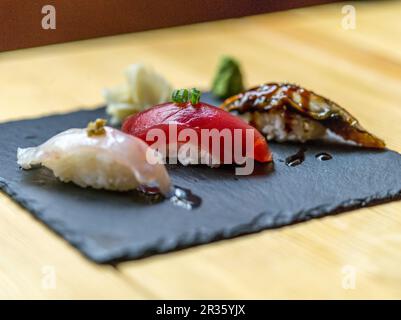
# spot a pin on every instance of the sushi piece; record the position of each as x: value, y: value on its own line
x: 99, y: 157
x: 173, y: 118
x: 287, y: 112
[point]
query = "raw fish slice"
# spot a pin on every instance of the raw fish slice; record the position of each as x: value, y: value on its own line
x: 197, y: 117
x: 285, y: 111
x: 112, y: 160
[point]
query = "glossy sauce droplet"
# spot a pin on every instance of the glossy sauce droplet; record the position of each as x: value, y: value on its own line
x: 296, y: 159
x: 184, y: 198
x: 149, y: 190
x: 180, y: 197
x: 323, y: 156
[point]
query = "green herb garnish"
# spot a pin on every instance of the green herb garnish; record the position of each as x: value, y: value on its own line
x: 195, y: 95
x: 228, y: 79
x: 180, y: 96
x: 184, y: 95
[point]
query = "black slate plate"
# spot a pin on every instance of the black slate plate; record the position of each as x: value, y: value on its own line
x: 110, y: 226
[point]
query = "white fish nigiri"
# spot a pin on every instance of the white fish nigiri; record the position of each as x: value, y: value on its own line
x: 98, y: 157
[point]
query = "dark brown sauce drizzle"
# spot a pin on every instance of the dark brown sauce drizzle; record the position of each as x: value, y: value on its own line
x: 287, y: 120
x: 148, y: 195
x: 323, y: 156
x: 253, y: 119
x: 149, y: 190
x: 296, y: 159
x: 281, y: 96
x: 269, y: 96
x: 305, y: 98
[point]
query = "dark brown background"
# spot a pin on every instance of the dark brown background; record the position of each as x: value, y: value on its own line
x: 20, y: 20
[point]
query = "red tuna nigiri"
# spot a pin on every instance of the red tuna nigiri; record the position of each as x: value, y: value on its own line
x: 197, y: 117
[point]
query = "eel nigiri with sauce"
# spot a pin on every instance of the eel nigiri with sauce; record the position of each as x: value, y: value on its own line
x: 99, y: 157
x: 187, y: 115
x: 287, y: 112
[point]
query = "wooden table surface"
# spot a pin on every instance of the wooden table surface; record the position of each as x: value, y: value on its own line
x: 352, y: 255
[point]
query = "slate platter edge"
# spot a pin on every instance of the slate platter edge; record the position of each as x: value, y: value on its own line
x: 262, y: 221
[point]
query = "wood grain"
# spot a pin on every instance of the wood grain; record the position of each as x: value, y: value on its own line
x: 32, y: 256
x: 359, y: 69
